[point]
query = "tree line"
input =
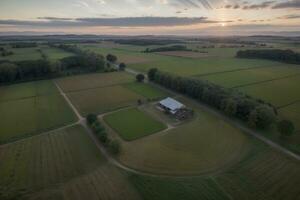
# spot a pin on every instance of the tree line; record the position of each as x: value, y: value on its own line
x: 4, y: 52
x: 168, y: 48
x: 99, y: 130
x: 18, y: 45
x: 82, y: 62
x: 256, y: 113
x: 286, y: 56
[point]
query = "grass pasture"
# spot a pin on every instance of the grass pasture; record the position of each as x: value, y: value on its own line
x: 56, y: 53
x: 23, y: 54
x: 146, y: 90
x: 203, y: 66
x: 31, y: 108
x: 206, y: 144
x: 101, y: 100
x: 251, y: 76
x: 89, y: 81
x: 292, y: 112
x: 278, y: 92
x: 132, y: 123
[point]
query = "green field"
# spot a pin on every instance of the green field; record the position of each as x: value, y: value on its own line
x: 89, y: 81
x: 278, y: 92
x: 23, y: 54
x: 103, y: 99
x: 189, y: 67
x: 55, y: 53
x: 62, y: 165
x: 31, y: 108
x: 292, y: 112
x: 205, y: 144
x: 250, y: 76
x: 146, y: 90
x: 132, y: 123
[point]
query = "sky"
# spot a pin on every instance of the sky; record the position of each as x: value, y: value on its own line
x: 150, y: 17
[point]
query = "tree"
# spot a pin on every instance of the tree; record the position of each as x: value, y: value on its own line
x: 111, y: 58
x: 262, y: 117
x: 114, y: 147
x: 140, y: 78
x: 122, y: 66
x: 151, y: 74
x: 91, y: 118
x: 230, y: 107
x: 286, y: 128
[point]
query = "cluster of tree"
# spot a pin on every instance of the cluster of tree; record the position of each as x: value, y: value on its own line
x: 147, y: 42
x: 4, y: 52
x: 168, y: 48
x: 27, y: 70
x: 140, y: 78
x: 99, y: 130
x: 286, y: 56
x: 257, y: 113
x: 86, y: 61
x: 23, y: 45
x: 111, y: 58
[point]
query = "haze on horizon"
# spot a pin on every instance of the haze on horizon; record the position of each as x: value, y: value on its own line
x: 137, y: 17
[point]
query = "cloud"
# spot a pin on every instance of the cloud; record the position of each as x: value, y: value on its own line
x: 193, y: 3
x: 247, y: 6
x: 288, y: 4
x: 110, y: 22
x: 292, y: 16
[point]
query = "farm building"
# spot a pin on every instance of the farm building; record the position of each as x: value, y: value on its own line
x: 171, y: 105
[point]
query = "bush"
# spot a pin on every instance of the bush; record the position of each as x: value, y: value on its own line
x: 140, y: 78
x: 122, y: 66
x: 286, y: 128
x: 151, y: 74
x: 91, y: 118
x: 114, y: 147
x: 262, y: 117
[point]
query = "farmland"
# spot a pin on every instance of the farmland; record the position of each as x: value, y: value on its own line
x: 53, y: 166
x: 132, y: 123
x: 31, y: 108
x: 47, y: 153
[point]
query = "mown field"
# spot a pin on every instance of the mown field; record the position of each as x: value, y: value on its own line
x: 55, y: 53
x: 133, y: 123
x: 64, y: 164
x: 147, y: 90
x: 31, y: 108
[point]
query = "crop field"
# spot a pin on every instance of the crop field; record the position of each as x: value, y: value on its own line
x: 146, y: 90
x: 132, y: 123
x: 178, y: 188
x: 23, y: 54
x: 103, y: 99
x: 59, y: 165
x: 250, y: 76
x: 27, y: 110
x: 264, y: 174
x: 188, y: 149
x: 278, y: 92
x: 184, y: 54
x: 55, y: 53
x: 90, y: 81
x: 190, y: 67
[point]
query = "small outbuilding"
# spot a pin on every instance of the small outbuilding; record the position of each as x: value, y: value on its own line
x: 171, y: 105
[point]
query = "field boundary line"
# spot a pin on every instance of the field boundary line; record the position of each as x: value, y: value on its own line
x: 265, y: 81
x: 286, y: 105
x: 41, y: 134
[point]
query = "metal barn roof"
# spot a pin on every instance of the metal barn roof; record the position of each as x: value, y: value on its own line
x: 171, y: 103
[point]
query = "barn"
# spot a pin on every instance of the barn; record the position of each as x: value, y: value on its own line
x: 171, y: 105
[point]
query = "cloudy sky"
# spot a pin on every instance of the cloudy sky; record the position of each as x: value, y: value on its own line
x: 182, y: 17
